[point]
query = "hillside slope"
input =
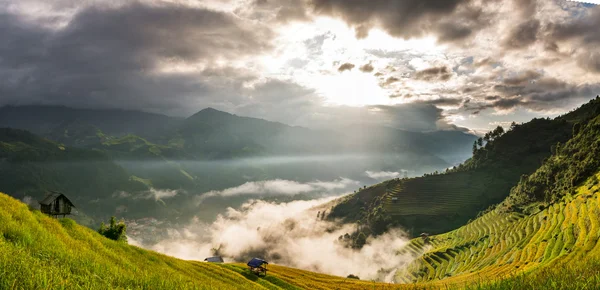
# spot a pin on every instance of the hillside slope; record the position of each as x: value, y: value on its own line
x: 438, y: 203
x: 39, y: 252
x: 550, y: 221
x: 31, y: 166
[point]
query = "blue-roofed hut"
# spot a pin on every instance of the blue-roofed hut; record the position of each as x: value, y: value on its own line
x: 258, y: 266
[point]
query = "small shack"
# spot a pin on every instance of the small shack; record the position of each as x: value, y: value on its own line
x: 215, y: 259
x: 56, y: 204
x: 258, y: 266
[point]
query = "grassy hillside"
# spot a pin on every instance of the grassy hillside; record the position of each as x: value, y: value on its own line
x: 440, y: 202
x: 39, y: 252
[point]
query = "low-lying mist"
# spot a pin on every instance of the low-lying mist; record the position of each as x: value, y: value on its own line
x: 288, y: 234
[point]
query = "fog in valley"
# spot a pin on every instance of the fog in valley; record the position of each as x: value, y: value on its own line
x: 287, y: 233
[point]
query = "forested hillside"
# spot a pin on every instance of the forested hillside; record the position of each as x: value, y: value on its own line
x: 30, y: 165
x: 439, y: 202
x: 547, y: 229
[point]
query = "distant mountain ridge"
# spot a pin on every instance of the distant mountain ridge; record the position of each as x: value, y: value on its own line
x: 211, y: 133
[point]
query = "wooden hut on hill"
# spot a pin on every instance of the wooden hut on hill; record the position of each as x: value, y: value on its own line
x: 56, y: 204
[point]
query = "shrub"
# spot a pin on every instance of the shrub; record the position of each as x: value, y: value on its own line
x: 115, y: 231
x: 352, y: 276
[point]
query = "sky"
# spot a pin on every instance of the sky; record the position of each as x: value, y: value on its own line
x: 411, y: 64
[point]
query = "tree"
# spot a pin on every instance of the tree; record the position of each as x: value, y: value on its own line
x: 115, y: 231
x: 499, y: 131
x: 480, y: 142
x: 474, y: 147
x: 360, y: 241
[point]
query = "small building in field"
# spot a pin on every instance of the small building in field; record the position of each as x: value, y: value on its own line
x: 56, y: 204
x: 215, y: 259
x: 258, y: 266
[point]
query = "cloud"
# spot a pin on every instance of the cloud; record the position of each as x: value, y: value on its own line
x: 282, y: 11
x: 367, y: 68
x: 128, y: 56
x: 152, y: 193
x: 384, y: 175
x: 523, y: 34
x: 407, y: 19
x: 286, y: 234
x: 590, y: 61
x: 434, y: 74
x: 390, y: 80
x: 345, y: 67
x: 279, y: 187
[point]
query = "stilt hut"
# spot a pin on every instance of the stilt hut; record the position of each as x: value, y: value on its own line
x: 56, y: 204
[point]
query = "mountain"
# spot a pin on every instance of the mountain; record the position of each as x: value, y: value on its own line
x: 439, y: 202
x: 30, y: 166
x: 37, y: 252
x: 56, y: 121
x: 213, y: 134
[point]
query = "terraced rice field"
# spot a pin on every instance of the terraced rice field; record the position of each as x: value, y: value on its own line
x: 501, y: 244
x: 434, y: 195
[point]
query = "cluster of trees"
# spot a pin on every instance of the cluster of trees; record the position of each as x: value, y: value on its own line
x: 356, y: 240
x: 116, y: 231
x: 572, y: 163
x: 489, y: 137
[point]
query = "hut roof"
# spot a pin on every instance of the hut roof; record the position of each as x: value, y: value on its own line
x: 53, y: 196
x: 215, y: 259
x: 256, y: 262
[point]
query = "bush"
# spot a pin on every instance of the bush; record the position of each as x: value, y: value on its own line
x: 115, y: 231
x: 351, y: 276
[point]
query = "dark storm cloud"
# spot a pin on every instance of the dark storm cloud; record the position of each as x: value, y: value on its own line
x: 523, y: 35
x: 450, y: 19
x: 434, y: 74
x: 419, y: 116
x: 113, y: 57
x: 444, y: 102
x: 584, y: 28
x: 583, y: 33
x: 535, y: 92
x: 367, y: 67
x: 345, y: 67
x: 522, y: 78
